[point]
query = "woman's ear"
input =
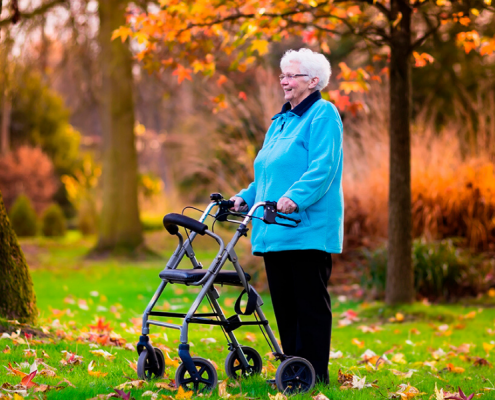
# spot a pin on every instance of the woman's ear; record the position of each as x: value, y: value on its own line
x: 314, y: 82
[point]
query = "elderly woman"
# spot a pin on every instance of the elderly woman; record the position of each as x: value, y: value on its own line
x: 300, y: 167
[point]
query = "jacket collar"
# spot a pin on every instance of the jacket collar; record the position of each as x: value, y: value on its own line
x: 302, y: 107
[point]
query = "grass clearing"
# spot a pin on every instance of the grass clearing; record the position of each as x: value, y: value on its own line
x: 435, y: 344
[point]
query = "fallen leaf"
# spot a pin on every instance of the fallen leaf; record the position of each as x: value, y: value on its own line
x: 398, y: 358
x: 402, y: 374
x: 14, y: 371
x: 478, y: 362
x: 131, y: 384
x: 320, y: 396
x: 166, y: 385
x: 102, y: 353
x: 337, y: 354
x: 344, y: 378
x: 183, y: 395
x: 452, y: 368
x: 95, y: 373
x: 28, y: 380
x: 278, y: 396
x: 358, y: 343
x: 460, y: 396
x: 123, y: 395
x: 208, y: 340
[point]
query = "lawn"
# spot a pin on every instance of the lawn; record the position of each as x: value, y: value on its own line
x: 92, y: 309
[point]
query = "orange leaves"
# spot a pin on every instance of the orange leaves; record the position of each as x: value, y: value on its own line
x: 468, y: 40
x: 487, y: 48
x: 123, y: 32
x: 422, y: 59
x: 182, y: 73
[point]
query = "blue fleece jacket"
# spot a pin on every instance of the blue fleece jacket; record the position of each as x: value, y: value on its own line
x: 301, y: 159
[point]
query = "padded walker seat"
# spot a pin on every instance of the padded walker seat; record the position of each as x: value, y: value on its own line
x: 187, y: 276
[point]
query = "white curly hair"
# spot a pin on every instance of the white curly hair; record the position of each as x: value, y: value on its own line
x: 311, y: 63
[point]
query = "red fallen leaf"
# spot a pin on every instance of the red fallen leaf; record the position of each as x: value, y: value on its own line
x: 478, y: 362
x: 101, y: 326
x: 242, y: 96
x: 28, y: 379
x: 461, y: 396
x: 28, y: 336
x: 122, y: 394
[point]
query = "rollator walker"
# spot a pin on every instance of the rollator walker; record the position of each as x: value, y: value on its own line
x: 196, y: 373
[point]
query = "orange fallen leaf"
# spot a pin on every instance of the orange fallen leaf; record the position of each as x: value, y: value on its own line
x: 14, y: 371
x: 183, y: 395
x: 358, y: 343
x: 95, y: 373
x: 452, y: 368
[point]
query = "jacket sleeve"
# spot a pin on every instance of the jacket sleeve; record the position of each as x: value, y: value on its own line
x: 324, y: 156
x: 248, y: 194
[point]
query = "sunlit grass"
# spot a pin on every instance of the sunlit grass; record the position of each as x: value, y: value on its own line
x: 73, y: 292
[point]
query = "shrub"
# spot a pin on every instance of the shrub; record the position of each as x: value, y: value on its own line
x: 23, y: 217
x: 29, y: 171
x: 442, y: 271
x: 53, y: 221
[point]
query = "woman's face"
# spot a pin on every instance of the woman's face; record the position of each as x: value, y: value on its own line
x: 297, y: 88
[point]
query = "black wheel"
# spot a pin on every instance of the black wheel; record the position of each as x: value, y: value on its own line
x: 207, y: 380
x: 233, y: 367
x: 295, y: 374
x: 145, y: 370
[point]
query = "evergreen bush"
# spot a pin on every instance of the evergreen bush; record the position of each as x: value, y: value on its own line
x: 23, y: 217
x: 53, y: 221
x: 442, y: 270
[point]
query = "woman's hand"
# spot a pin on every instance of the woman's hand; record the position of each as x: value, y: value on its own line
x: 286, y: 205
x: 239, y: 204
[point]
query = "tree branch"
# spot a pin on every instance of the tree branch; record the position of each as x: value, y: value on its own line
x: 28, y: 15
x: 418, y: 42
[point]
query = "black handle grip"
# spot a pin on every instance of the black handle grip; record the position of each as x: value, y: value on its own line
x: 270, y: 215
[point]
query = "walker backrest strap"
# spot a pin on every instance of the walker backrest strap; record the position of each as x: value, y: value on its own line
x: 251, y: 302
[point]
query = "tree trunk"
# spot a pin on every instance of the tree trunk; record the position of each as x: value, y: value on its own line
x: 120, y: 229
x: 400, y: 276
x: 17, y: 298
x: 5, y: 126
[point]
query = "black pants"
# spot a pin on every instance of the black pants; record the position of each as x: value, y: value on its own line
x: 298, y: 286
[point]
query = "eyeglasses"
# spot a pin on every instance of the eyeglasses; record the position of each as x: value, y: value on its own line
x: 290, y: 76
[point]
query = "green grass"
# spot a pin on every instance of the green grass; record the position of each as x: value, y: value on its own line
x: 117, y: 290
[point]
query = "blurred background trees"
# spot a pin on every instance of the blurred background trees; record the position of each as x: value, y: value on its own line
x: 60, y: 145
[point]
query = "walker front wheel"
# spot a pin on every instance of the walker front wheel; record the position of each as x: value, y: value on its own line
x: 144, y: 368
x: 205, y: 381
x: 295, y: 374
x: 234, y: 368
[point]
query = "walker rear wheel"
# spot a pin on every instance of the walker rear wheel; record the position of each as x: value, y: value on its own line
x: 295, y: 374
x: 233, y: 367
x: 144, y: 368
x: 206, y: 380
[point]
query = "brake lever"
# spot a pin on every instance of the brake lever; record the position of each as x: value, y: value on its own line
x: 224, y: 210
x: 270, y: 215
